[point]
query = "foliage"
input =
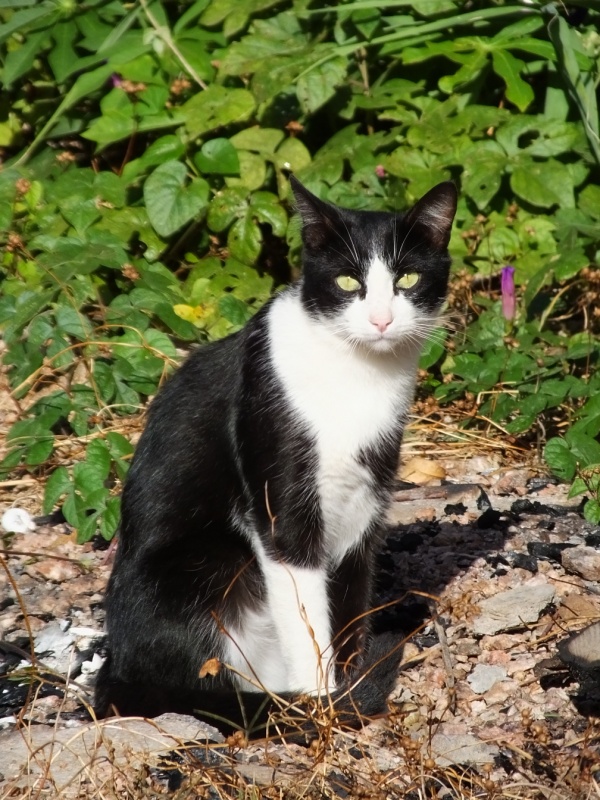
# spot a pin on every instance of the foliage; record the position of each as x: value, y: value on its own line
x: 145, y: 198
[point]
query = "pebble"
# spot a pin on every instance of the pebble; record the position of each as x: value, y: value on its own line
x: 54, y: 570
x: 17, y: 520
x: 55, y: 645
x: 484, y: 676
x: 583, y: 561
x: 90, y: 667
x: 513, y: 608
x: 552, y: 551
x: 468, y: 648
x: 448, y: 749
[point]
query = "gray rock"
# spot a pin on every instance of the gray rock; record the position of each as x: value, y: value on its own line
x: 461, y: 748
x: 584, y: 561
x: 435, y: 502
x: 55, y: 644
x: 513, y: 608
x: 70, y: 755
x: 484, y: 676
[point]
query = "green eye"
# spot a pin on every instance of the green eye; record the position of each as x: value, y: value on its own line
x: 408, y: 281
x: 347, y: 283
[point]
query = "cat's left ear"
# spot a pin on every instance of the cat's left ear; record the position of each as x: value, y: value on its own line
x: 434, y: 212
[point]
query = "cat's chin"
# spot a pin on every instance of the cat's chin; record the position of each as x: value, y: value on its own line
x: 387, y: 345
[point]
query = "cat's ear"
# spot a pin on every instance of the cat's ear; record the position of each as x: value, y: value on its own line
x: 318, y: 218
x: 434, y: 213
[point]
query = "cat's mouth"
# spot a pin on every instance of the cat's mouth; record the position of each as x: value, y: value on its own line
x: 389, y: 341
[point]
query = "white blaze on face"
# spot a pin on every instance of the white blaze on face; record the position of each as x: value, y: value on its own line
x: 382, y: 317
x: 379, y: 300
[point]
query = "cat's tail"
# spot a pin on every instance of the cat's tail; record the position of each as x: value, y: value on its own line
x: 293, y: 717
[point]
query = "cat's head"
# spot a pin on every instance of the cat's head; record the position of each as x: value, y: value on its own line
x: 378, y: 280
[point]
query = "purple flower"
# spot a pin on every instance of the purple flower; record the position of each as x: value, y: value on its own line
x: 507, y: 285
x: 116, y: 79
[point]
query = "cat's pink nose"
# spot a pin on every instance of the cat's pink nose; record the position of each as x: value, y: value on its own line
x: 381, y: 324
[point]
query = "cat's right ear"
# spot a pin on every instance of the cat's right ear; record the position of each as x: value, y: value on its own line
x: 318, y: 217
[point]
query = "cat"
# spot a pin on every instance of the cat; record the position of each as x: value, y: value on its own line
x: 255, y: 500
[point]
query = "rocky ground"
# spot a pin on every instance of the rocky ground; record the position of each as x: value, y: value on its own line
x: 486, y: 569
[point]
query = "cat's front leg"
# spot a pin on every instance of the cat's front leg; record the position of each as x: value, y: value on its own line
x: 349, y: 598
x: 299, y: 607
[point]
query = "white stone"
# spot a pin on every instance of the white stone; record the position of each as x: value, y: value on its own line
x: 484, y: 676
x: 17, y: 520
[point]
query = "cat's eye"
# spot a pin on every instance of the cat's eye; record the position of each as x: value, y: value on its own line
x: 347, y: 283
x: 408, y: 281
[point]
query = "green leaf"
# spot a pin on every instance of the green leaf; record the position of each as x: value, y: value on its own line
x: 87, y: 527
x: 591, y: 511
x: 27, y: 16
x: 582, y: 85
x: 589, y: 200
x: 170, y: 202
x: 40, y: 451
x: 578, y: 487
x: 109, y: 519
x: 225, y: 207
x: 119, y: 446
x: 253, y: 171
x: 585, y: 448
x: 245, y: 240
x: 97, y: 455
x: 84, y: 85
x: 543, y: 184
x: 317, y: 85
x: 28, y: 304
x: 74, y: 509
x: 88, y: 478
x: 560, y: 459
x: 260, y: 140
x: 73, y: 322
x: 292, y: 155
x: 266, y: 208
x: 219, y: 157
x: 216, y: 107
x: 58, y: 484
x: 433, y: 349
x: 482, y: 176
x: 234, y: 310
x: 509, y: 69
x: 20, y: 61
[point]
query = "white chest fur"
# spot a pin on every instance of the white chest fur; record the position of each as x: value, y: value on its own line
x: 349, y: 398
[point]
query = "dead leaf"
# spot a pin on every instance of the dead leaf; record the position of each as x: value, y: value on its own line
x: 422, y: 471
x: 210, y: 667
x: 574, y: 606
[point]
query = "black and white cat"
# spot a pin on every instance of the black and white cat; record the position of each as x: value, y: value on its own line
x: 256, y: 496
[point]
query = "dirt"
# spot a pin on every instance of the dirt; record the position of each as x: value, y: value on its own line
x: 475, y: 713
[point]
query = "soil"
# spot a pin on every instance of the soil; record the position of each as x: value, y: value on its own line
x: 483, y: 706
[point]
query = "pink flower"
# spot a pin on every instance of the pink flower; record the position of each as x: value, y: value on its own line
x: 380, y: 171
x: 507, y: 286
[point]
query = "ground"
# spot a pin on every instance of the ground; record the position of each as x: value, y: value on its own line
x: 486, y: 568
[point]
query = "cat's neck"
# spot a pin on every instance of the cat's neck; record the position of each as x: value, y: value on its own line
x: 347, y: 397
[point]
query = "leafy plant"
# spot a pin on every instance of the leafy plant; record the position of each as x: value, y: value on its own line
x: 144, y: 202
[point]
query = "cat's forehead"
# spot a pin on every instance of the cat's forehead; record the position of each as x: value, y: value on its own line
x: 375, y: 236
x: 371, y: 227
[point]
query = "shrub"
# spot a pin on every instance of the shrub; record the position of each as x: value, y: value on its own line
x: 145, y: 200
